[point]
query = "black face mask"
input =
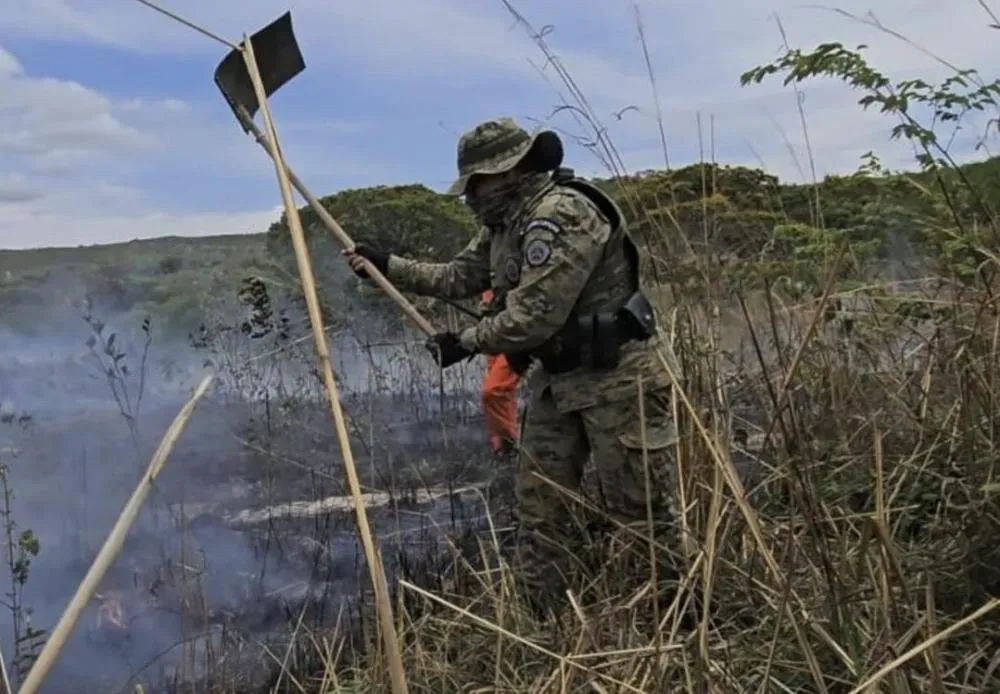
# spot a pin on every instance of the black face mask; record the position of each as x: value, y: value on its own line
x: 492, y: 209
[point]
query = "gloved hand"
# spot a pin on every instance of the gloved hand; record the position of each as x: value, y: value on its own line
x: 447, y: 349
x: 362, y: 252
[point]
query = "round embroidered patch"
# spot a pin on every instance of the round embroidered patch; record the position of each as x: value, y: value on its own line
x: 512, y: 270
x: 537, y: 252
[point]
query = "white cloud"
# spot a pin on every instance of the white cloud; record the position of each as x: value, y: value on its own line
x: 47, y: 122
x: 700, y: 52
x: 9, y: 65
x: 443, y: 51
x: 68, y: 154
x: 23, y: 228
x: 15, y: 188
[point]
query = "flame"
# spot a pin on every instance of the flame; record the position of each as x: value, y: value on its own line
x: 111, y: 609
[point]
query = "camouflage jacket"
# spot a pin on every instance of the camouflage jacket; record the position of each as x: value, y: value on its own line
x: 553, y: 256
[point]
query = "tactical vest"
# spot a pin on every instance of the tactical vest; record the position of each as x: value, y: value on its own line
x: 616, y: 278
x: 614, y: 281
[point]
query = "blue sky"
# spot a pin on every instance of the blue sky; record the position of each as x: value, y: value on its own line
x: 111, y: 127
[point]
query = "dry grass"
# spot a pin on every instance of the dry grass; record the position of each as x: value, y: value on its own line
x: 863, y: 559
x: 866, y: 558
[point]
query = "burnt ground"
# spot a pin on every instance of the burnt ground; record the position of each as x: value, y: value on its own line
x: 247, y: 529
x: 207, y: 555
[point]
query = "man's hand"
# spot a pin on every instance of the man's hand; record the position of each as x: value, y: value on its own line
x: 447, y: 349
x: 356, y: 259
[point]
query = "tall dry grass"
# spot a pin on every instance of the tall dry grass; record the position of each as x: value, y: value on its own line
x: 862, y: 556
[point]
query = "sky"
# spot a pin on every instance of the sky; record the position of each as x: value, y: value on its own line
x: 112, y: 129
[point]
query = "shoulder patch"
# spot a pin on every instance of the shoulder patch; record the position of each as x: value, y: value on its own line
x: 512, y: 270
x: 537, y: 252
x: 545, y: 224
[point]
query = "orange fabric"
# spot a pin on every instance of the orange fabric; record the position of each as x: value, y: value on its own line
x: 499, y: 397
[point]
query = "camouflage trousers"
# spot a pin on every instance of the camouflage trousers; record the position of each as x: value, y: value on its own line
x: 560, y: 545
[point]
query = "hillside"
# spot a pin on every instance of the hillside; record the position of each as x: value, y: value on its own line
x: 746, y: 219
x: 173, y: 279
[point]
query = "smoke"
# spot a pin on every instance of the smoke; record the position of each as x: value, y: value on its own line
x: 79, y: 454
x: 80, y: 420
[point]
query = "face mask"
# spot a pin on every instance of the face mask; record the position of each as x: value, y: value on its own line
x: 489, y: 202
x: 492, y: 203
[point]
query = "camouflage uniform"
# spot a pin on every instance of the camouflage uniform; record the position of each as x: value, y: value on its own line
x: 556, y: 254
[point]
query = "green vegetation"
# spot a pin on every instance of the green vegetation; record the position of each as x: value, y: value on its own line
x: 174, y: 279
x: 867, y: 556
x: 761, y: 226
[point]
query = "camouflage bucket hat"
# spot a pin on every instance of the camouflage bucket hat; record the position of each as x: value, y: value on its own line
x: 497, y: 146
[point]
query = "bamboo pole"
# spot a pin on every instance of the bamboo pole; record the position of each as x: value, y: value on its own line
x: 328, y: 221
x: 382, y: 602
x: 3, y: 673
x: 112, y: 546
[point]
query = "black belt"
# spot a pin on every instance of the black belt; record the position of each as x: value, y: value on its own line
x: 571, y: 359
